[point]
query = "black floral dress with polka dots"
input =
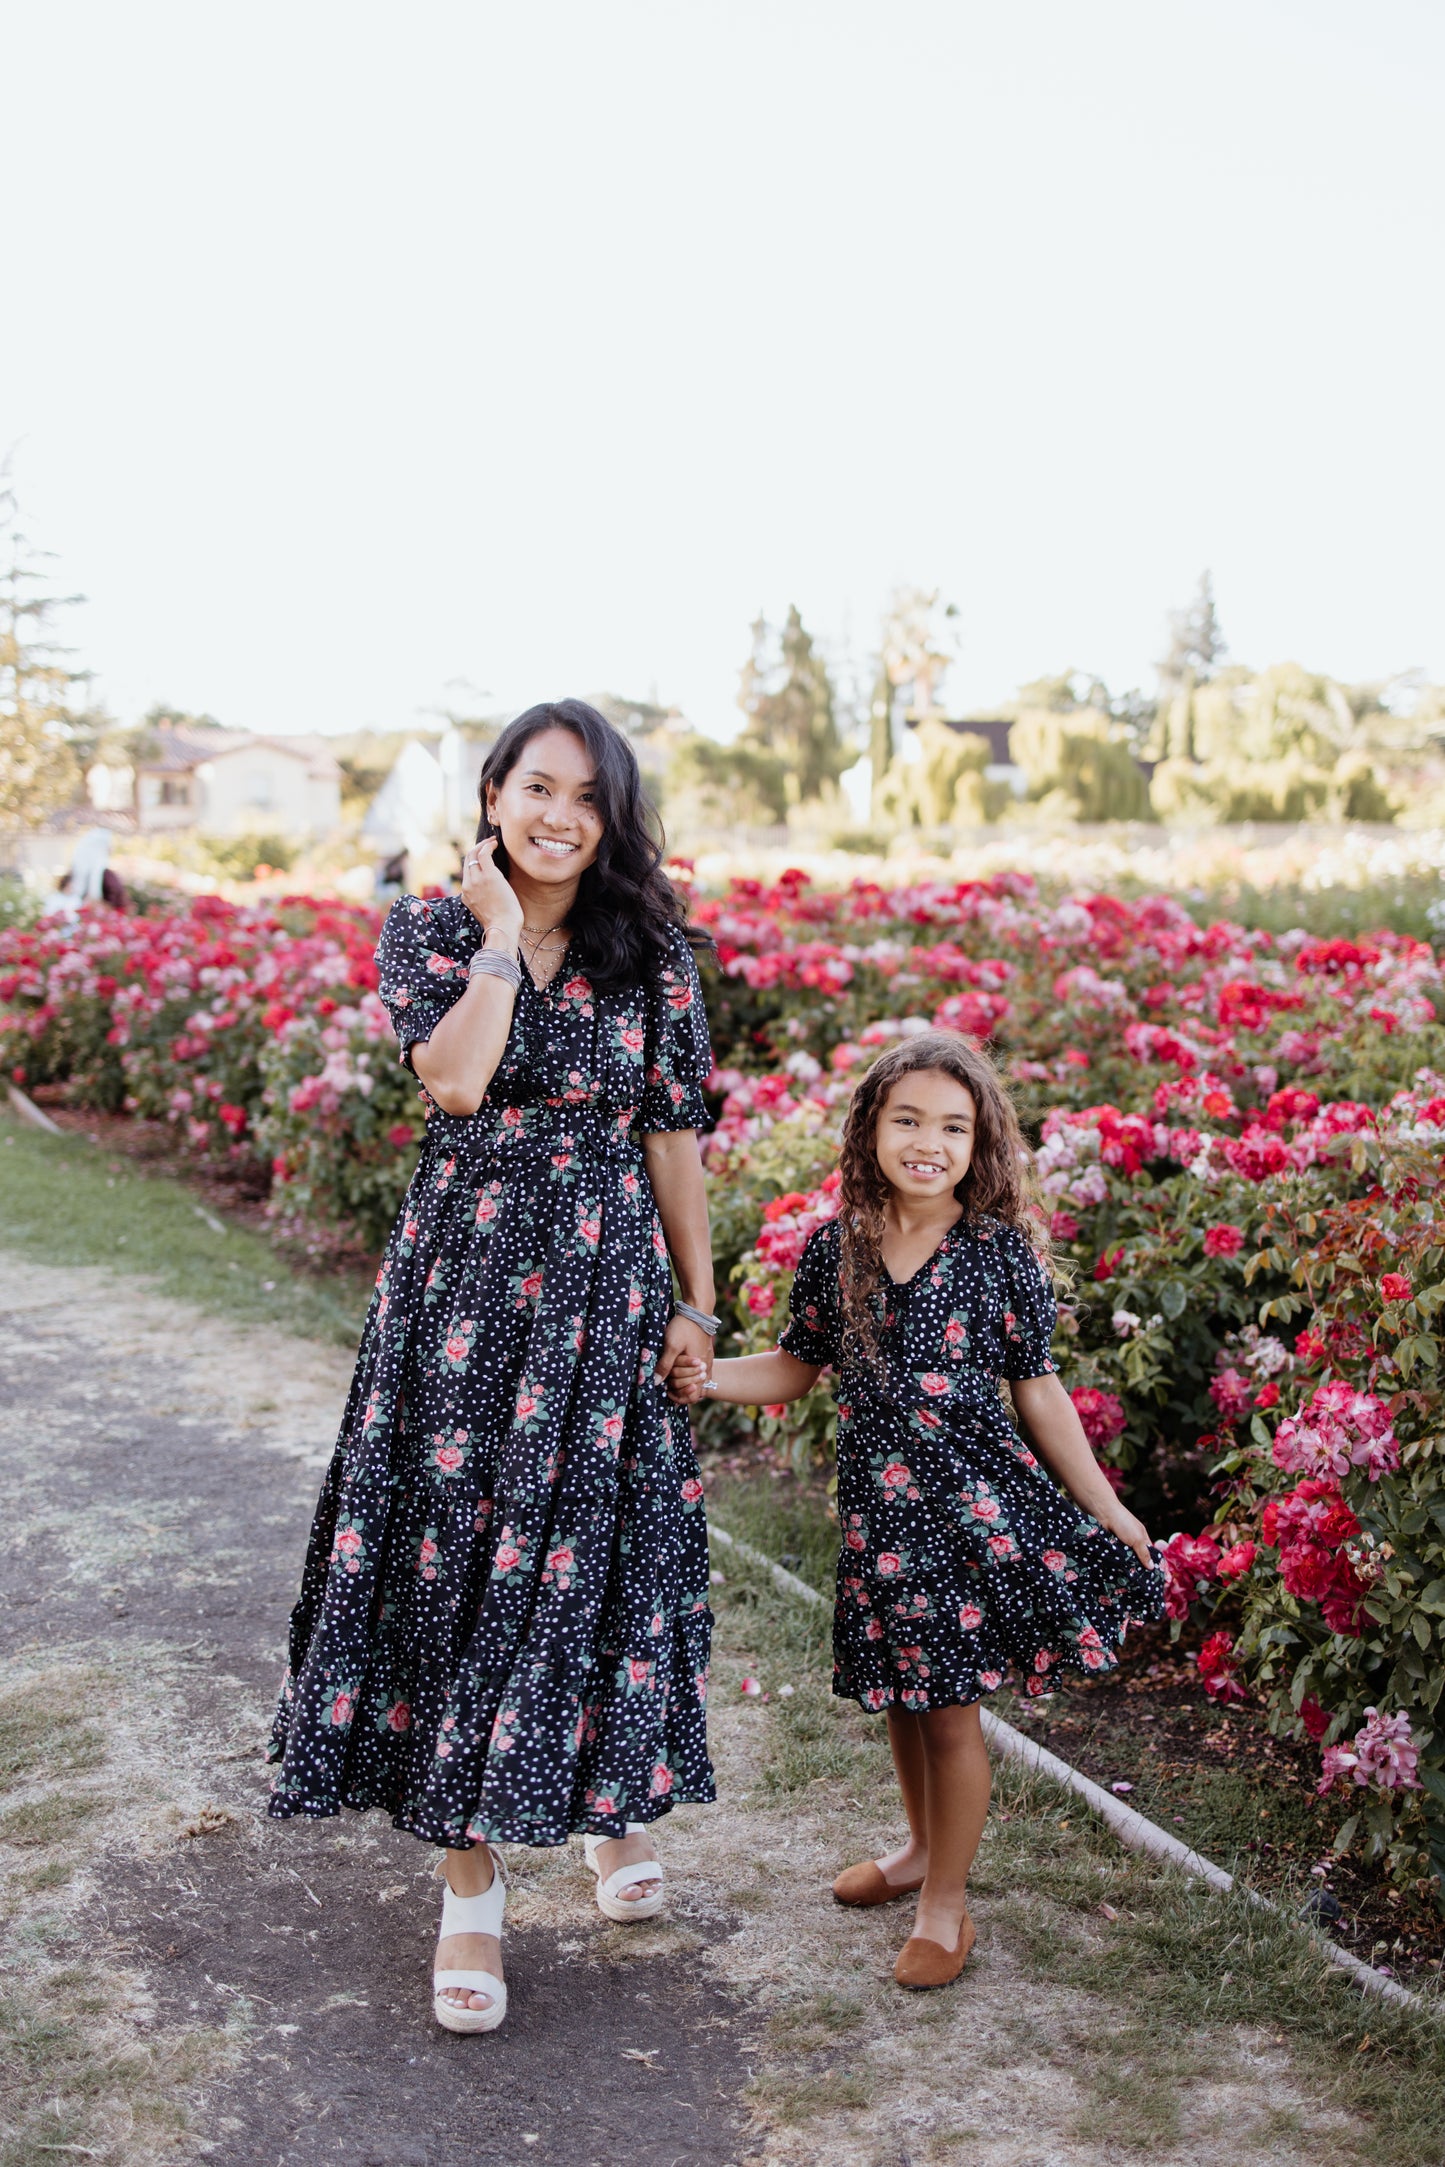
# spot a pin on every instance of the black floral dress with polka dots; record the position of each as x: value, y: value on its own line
x: 961, y: 1559
x: 503, y: 1629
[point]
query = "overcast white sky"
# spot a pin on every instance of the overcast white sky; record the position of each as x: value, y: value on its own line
x: 351, y: 350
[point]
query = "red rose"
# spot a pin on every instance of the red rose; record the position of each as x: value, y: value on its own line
x: 1395, y: 1287
x: 1223, y: 1241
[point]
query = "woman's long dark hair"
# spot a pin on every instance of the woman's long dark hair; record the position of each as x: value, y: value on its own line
x: 1000, y: 1183
x: 626, y: 906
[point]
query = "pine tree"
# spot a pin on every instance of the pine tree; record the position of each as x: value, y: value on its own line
x: 787, y: 697
x: 38, y: 767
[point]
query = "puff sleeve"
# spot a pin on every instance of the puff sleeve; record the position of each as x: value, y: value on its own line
x: 679, y: 1052
x: 1030, y: 1311
x: 814, y: 1329
x: 420, y: 979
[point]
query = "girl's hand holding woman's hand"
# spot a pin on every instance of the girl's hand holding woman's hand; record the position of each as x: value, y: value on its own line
x: 488, y: 894
x: 687, y: 1381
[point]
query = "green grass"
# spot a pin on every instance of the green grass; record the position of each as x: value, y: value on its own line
x: 1180, y: 1962
x: 1159, y: 1995
x: 63, y: 1201
x: 52, y: 1818
x: 44, y: 1732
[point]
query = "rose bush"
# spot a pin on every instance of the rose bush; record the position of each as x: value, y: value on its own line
x: 1240, y: 1143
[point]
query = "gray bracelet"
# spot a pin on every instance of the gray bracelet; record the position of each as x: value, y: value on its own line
x: 699, y: 1317
x: 490, y: 963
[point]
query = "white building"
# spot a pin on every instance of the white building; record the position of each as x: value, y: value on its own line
x: 224, y: 782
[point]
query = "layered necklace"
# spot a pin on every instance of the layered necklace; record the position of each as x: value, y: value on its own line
x: 535, y: 941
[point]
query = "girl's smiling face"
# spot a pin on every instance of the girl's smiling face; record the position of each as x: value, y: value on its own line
x: 924, y: 1139
x: 546, y: 809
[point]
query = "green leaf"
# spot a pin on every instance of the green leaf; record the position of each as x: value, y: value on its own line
x: 1420, y: 1625
x: 1174, y: 1298
x: 1345, y: 1833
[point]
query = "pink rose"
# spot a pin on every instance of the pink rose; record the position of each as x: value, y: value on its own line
x: 970, y: 1617
x: 889, y: 1562
x: 933, y: 1384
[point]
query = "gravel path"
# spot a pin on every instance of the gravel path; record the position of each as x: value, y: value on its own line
x: 157, y: 1504
x: 269, y: 1983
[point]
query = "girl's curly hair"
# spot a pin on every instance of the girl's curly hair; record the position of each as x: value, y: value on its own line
x: 1000, y: 1183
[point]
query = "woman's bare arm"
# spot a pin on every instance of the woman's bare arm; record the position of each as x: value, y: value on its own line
x: 1051, y: 1425
x: 674, y: 1168
x: 459, y: 1060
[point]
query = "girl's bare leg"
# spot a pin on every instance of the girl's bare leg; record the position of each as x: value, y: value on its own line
x: 956, y: 1784
x: 905, y: 1739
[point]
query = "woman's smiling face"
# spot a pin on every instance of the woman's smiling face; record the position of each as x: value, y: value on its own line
x: 546, y: 809
x: 924, y: 1138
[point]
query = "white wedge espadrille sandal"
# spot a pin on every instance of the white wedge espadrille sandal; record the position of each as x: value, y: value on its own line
x: 471, y: 1915
x: 610, y: 1901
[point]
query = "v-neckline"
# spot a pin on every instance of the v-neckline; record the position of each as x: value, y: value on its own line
x: 546, y: 988
x: 901, y: 1286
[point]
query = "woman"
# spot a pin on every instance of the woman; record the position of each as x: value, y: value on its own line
x: 503, y: 1630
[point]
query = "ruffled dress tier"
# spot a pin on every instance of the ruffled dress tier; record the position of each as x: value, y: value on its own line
x: 503, y: 1630
x: 962, y: 1562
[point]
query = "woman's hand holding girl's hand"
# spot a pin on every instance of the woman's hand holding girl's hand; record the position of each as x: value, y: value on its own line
x: 488, y: 894
x: 1131, y: 1531
x: 684, y: 1342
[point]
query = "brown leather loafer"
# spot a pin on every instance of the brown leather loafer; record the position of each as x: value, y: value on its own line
x: 865, y: 1885
x: 923, y: 1964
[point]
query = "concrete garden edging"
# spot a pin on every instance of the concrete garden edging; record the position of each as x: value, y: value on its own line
x: 1131, y: 1828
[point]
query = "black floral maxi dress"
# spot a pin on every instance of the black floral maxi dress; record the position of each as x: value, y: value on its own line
x: 503, y: 1629
x: 961, y: 1558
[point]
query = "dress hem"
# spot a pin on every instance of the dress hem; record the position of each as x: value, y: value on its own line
x: 613, y: 1825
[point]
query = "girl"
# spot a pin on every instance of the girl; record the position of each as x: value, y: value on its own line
x: 503, y: 1628
x: 960, y: 1558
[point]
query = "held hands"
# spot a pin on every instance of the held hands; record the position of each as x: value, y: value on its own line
x: 687, y: 1381
x: 686, y: 1347
x: 488, y: 894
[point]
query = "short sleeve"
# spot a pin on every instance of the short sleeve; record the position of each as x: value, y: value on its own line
x: 1030, y: 1311
x: 814, y: 1329
x: 679, y: 1052
x: 419, y: 978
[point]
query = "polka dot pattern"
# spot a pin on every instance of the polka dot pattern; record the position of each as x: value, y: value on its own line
x: 503, y: 1631
x: 961, y: 1559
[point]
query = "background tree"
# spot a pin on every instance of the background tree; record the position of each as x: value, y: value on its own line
x: 786, y: 694
x: 917, y: 649
x: 1196, y: 648
x: 39, y: 723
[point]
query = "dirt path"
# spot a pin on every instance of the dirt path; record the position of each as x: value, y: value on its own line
x: 269, y: 1983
